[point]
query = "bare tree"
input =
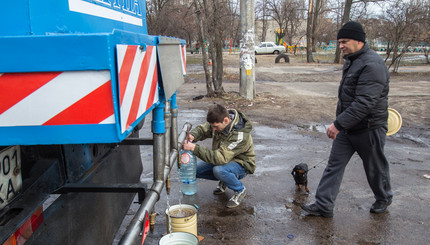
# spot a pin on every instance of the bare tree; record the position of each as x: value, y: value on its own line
x: 326, y: 31
x: 211, y: 22
x: 278, y: 12
x: 295, y: 17
x: 360, y: 12
x: 262, y: 14
x: 212, y: 15
x: 169, y: 18
x: 402, y: 21
x: 288, y: 16
x: 233, y: 30
x: 156, y: 11
x: 198, y: 5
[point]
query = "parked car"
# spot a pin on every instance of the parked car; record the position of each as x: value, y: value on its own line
x: 269, y: 48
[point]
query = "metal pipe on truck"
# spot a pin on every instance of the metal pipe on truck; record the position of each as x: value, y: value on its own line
x: 134, y: 229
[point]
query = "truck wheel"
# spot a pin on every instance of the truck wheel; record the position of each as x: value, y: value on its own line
x: 282, y: 56
x: 276, y: 52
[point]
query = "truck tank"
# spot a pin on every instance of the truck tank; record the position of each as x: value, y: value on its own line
x: 77, y: 79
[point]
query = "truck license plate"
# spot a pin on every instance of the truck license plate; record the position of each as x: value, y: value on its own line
x: 10, y: 174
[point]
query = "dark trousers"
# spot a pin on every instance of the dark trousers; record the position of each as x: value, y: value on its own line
x: 370, y: 147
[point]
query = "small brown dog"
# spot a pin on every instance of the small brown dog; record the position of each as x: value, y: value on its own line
x: 300, y: 174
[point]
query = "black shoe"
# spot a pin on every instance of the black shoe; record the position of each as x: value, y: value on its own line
x: 380, y: 206
x: 312, y: 209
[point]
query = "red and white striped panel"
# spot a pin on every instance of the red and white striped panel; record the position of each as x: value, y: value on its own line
x: 183, y: 53
x: 138, y: 87
x: 56, y: 98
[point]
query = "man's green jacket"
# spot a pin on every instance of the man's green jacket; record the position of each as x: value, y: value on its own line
x: 233, y: 144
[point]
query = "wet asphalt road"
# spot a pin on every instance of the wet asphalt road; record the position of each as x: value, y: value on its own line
x: 271, y: 213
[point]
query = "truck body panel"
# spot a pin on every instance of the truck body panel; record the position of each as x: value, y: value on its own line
x: 77, y: 78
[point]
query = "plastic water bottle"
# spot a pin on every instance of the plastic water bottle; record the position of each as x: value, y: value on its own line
x: 187, y: 173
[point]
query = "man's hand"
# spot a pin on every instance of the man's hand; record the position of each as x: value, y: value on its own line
x: 332, y: 131
x: 188, y: 146
x: 191, y: 138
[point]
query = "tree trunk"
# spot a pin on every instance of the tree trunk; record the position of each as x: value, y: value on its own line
x: 315, y: 22
x: 345, y: 18
x: 219, y: 71
x: 263, y: 29
x: 212, y: 58
x: 202, y: 37
x: 397, y: 64
x: 216, y: 49
x: 426, y: 54
x: 309, y: 31
x: 264, y: 22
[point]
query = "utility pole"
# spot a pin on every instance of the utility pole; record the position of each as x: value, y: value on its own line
x: 247, y: 55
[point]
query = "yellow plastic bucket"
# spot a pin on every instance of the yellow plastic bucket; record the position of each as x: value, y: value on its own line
x: 179, y: 238
x: 183, y: 218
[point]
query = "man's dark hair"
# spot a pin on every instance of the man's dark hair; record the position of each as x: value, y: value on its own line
x: 216, y: 114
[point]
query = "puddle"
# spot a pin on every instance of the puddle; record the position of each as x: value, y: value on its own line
x: 262, y: 209
x: 235, y: 212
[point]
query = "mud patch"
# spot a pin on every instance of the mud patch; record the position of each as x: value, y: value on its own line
x: 243, y: 210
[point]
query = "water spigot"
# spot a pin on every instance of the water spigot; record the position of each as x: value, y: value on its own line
x: 168, y: 186
x: 152, y: 221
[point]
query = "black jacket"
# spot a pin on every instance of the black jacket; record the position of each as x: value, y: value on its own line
x: 363, y: 92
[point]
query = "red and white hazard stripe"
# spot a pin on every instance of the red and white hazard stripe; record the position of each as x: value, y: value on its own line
x: 56, y: 98
x: 138, y: 87
x: 183, y: 55
x: 23, y: 233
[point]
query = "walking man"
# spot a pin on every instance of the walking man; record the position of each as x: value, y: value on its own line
x: 360, y: 125
x: 232, y: 155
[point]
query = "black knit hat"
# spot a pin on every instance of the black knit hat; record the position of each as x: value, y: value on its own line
x: 352, y: 30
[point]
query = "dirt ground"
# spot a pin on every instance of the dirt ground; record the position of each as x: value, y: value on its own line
x: 294, y: 104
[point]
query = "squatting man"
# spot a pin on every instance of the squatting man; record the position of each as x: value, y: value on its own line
x: 232, y: 155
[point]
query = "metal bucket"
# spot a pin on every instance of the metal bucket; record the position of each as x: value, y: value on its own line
x: 183, y: 218
x: 179, y: 238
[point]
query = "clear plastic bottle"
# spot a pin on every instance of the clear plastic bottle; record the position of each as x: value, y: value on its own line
x: 187, y: 173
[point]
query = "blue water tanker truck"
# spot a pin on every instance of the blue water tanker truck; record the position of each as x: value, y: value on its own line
x: 77, y: 79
